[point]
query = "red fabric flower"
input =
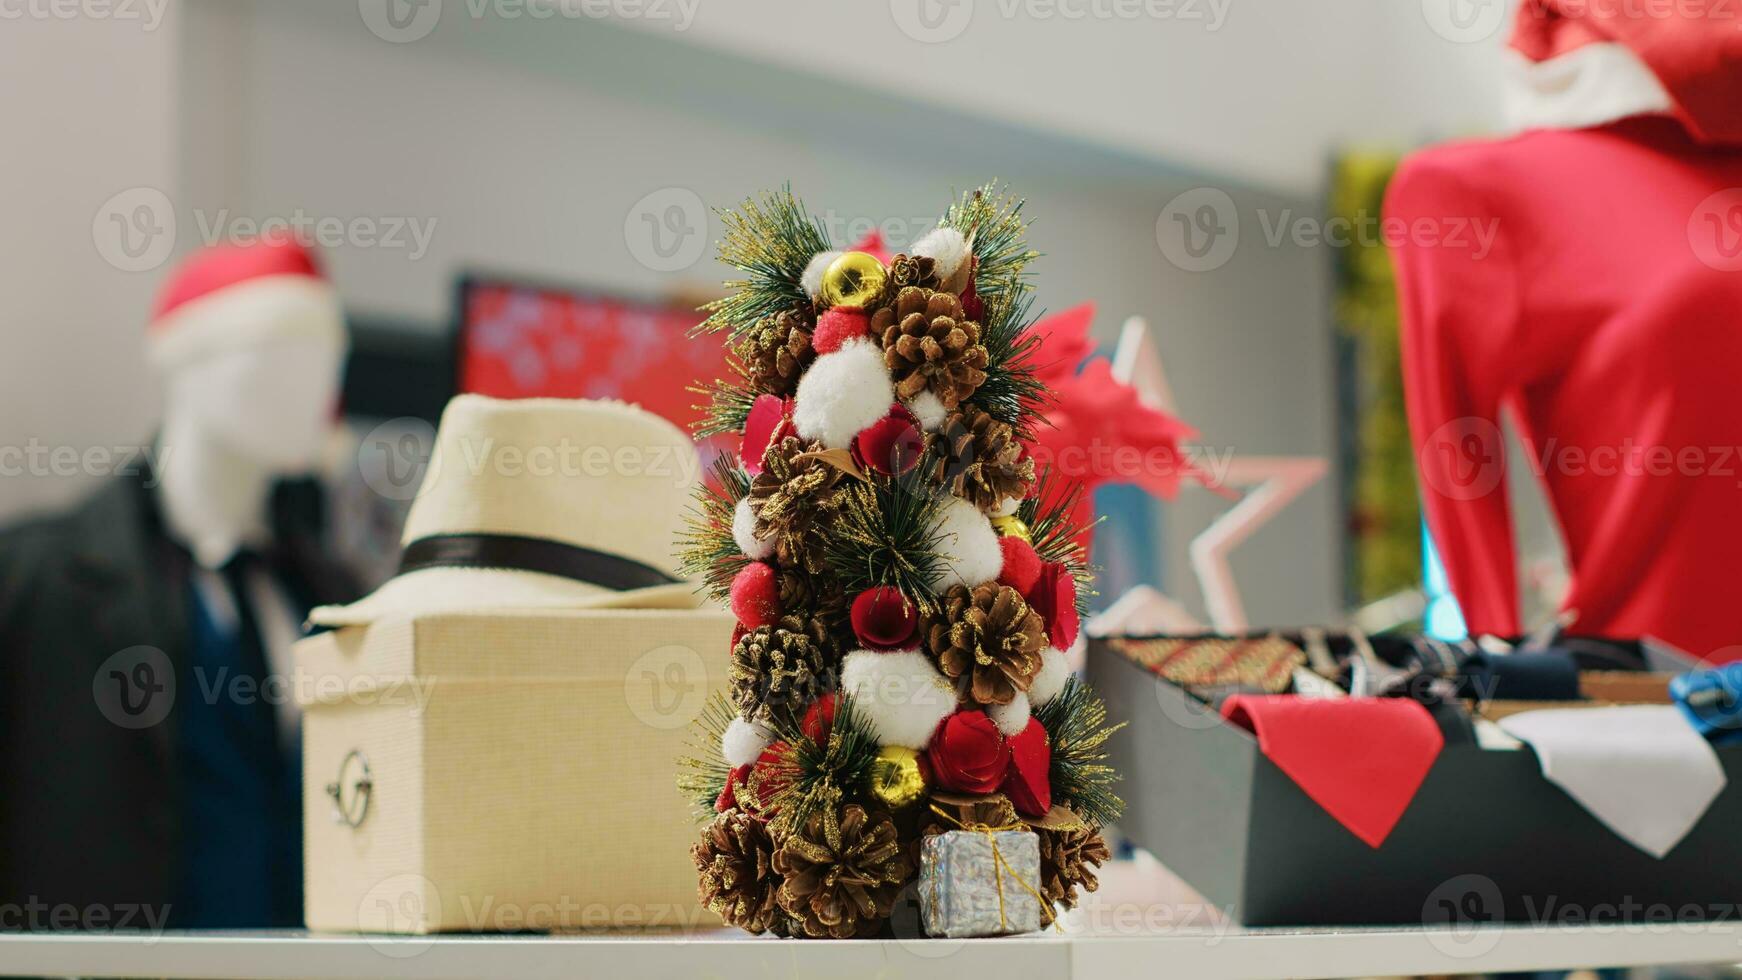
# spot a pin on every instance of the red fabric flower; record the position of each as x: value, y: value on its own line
x: 968, y: 754
x: 729, y: 795
x: 1028, y: 781
x: 883, y: 619
x: 767, y: 415
x: 1054, y: 597
x: 771, y: 775
x: 819, y: 719
x: 891, y: 444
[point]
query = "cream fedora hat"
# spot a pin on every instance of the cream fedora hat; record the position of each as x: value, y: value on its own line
x: 541, y: 504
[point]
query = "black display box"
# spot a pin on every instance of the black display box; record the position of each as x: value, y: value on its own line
x: 1486, y: 839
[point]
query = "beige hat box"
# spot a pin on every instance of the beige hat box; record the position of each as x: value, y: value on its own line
x: 503, y: 770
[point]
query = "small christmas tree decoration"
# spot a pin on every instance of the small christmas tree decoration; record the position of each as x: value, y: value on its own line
x: 904, y: 589
x: 853, y: 279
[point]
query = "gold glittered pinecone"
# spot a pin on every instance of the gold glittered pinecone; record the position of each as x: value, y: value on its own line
x: 927, y: 343
x: 911, y: 270
x: 981, y: 458
x: 790, y: 497
x: 989, y: 634
x: 841, y: 873
x: 736, y: 876
x: 776, y: 350
x: 777, y: 670
x: 817, y: 597
x: 1068, y: 859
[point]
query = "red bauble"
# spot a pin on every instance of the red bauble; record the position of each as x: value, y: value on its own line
x: 756, y: 595
x: 968, y: 754
x: 1054, y: 596
x: 819, y: 719
x: 729, y: 794
x: 972, y: 308
x: 838, y: 325
x: 1028, y: 781
x: 1021, y: 565
x: 891, y: 444
x: 884, y: 619
x: 767, y: 413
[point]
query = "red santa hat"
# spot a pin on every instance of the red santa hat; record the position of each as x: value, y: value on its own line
x: 238, y: 296
x: 1585, y: 64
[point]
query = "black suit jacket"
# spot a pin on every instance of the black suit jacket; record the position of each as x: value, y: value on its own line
x: 88, y: 801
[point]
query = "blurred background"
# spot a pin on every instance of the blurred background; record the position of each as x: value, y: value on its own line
x: 511, y: 195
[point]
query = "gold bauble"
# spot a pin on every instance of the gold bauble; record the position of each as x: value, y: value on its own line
x: 898, y: 777
x: 1011, y: 526
x: 854, y: 279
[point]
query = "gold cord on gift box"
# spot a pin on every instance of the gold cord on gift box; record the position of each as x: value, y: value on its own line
x: 999, y: 865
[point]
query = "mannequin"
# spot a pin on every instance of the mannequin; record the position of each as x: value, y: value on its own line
x: 185, y: 799
x: 1603, y: 321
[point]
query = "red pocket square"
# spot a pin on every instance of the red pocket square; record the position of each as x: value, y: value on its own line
x: 1362, y: 759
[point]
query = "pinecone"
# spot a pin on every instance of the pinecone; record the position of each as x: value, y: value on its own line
x: 927, y: 343
x: 981, y: 458
x: 842, y: 873
x: 789, y: 498
x: 912, y: 270
x: 776, y: 350
x: 777, y: 670
x: 1067, y: 861
x: 990, y: 634
x: 735, y: 860
x: 817, y: 597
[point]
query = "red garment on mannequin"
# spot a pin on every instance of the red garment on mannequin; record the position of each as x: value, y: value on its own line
x: 1607, y: 316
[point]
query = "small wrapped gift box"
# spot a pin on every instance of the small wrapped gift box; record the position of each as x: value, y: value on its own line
x: 979, y: 883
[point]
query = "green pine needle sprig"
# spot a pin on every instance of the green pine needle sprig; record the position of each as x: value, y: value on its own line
x: 1012, y: 393
x: 727, y: 407
x: 1076, y: 722
x: 770, y: 240
x: 822, y: 773
x: 702, y: 774
x: 706, y: 548
x: 992, y: 218
x: 886, y: 534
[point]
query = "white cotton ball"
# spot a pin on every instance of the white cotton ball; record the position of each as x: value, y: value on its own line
x: 948, y: 251
x: 842, y: 393
x: 744, y: 532
x: 901, y: 694
x: 1006, y: 507
x: 968, y: 546
x: 743, y: 742
x: 1047, y: 684
x: 928, y: 409
x: 812, y: 279
x: 1010, y: 718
